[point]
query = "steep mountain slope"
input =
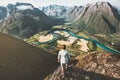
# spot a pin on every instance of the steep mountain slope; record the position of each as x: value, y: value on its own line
x: 54, y: 10
x: 20, y: 61
x: 24, y: 21
x: 100, y: 17
x: 73, y: 12
x: 103, y: 63
x: 92, y: 66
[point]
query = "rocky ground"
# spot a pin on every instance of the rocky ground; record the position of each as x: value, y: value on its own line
x: 102, y: 63
x: 93, y: 66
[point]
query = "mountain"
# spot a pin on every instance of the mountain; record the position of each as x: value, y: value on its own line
x: 73, y: 12
x: 66, y: 12
x: 119, y: 10
x: 19, y: 6
x: 3, y: 12
x: 100, y: 17
x: 11, y: 8
x: 21, y: 61
x: 91, y: 66
x: 24, y: 21
x: 54, y: 10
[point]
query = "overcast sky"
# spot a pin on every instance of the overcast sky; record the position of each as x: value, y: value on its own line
x: 39, y: 3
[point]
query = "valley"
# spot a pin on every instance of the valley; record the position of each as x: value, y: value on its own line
x: 31, y: 37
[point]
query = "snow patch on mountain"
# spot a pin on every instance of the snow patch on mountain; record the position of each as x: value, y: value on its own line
x: 24, y: 7
x: 54, y: 10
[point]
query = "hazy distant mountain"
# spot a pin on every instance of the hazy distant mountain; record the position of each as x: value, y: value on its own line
x: 3, y: 12
x: 73, y: 12
x: 100, y: 17
x: 69, y: 13
x: 119, y: 10
x: 19, y: 6
x: 54, y: 10
x: 11, y: 8
x: 24, y: 21
x: 21, y: 61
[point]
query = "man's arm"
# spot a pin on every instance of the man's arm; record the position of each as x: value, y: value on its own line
x: 68, y: 55
x: 59, y: 57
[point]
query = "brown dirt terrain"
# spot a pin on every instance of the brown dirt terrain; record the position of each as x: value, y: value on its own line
x: 94, y: 66
x: 20, y: 61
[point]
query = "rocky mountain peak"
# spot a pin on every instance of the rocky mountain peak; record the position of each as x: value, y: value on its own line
x: 99, y: 17
x: 74, y: 12
x: 19, y: 7
x: 11, y: 8
x: 99, y: 7
x: 23, y: 6
x: 54, y: 10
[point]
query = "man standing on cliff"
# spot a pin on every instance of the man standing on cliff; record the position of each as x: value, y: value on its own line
x: 63, y: 58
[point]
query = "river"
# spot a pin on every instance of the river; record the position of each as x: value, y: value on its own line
x: 104, y: 47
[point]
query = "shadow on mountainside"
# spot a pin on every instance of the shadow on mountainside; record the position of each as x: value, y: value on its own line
x: 74, y: 73
x: 20, y: 61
